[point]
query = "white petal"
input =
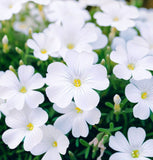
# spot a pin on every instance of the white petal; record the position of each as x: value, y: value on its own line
x: 69, y: 108
x: 32, y: 44
x: 13, y: 137
x: 147, y: 148
x: 34, y: 98
x: 86, y: 98
x: 141, y: 111
x: 18, y: 101
x: 119, y: 56
x: 52, y: 154
x: 58, y: 73
x: 136, y: 136
x: 45, y: 143
x: 132, y: 93
x: 6, y: 92
x: 32, y: 139
x: 16, y: 119
x: 9, y: 79
x: 137, y: 47
x: 97, y: 77
x: 61, y: 95
x: 64, y: 122
x: 93, y: 116
x: 25, y: 73
x: 146, y: 62
x: 102, y: 19
x: 100, y: 42
x: 38, y: 117
x: 63, y: 144
x: 141, y: 73
x: 79, y: 62
x: 119, y: 142
x: 121, y: 72
x: 35, y: 82
x: 80, y: 128
x: 121, y: 156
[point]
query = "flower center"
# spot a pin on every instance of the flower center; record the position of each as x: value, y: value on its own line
x: 30, y: 126
x: 115, y: 19
x: 78, y: 110
x: 10, y: 6
x: 22, y: 26
x: 131, y: 66
x: 43, y: 51
x: 77, y: 82
x: 70, y: 46
x: 23, y: 90
x: 144, y: 95
x: 135, y: 154
x: 54, y: 144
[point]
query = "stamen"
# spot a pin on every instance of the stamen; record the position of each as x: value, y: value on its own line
x: 115, y: 19
x: 70, y: 46
x: 43, y: 51
x: 77, y: 82
x: 78, y: 110
x: 30, y: 126
x: 144, y: 95
x: 54, y: 144
x: 131, y: 66
x: 135, y: 154
x: 23, y: 90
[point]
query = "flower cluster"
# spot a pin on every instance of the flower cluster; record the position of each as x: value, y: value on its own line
x: 77, y: 55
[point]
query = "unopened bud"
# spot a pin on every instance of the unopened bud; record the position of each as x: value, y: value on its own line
x: 5, y: 44
x: 5, y: 39
x: 117, y: 101
x: 11, y: 68
x: 103, y: 62
x: 21, y: 62
x: 18, y: 50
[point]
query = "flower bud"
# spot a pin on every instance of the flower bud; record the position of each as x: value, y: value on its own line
x: 117, y: 101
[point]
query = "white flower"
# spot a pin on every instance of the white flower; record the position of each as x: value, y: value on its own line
x: 53, y: 143
x: 141, y: 92
x: 21, y: 91
x: 134, y: 148
x: 84, y: 37
x: 115, y: 15
x: 61, y: 11
x: 77, y: 79
x: 9, y: 7
x: 132, y: 62
x: 76, y: 119
x: 24, y: 124
x: 44, y: 45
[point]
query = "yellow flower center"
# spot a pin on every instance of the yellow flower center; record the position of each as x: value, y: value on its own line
x: 54, y: 144
x: 144, y: 95
x: 43, y: 51
x: 115, y: 19
x: 30, y: 126
x: 77, y: 82
x: 78, y: 110
x: 131, y: 66
x: 23, y: 90
x: 22, y: 26
x: 10, y: 6
x: 135, y: 154
x: 70, y: 46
